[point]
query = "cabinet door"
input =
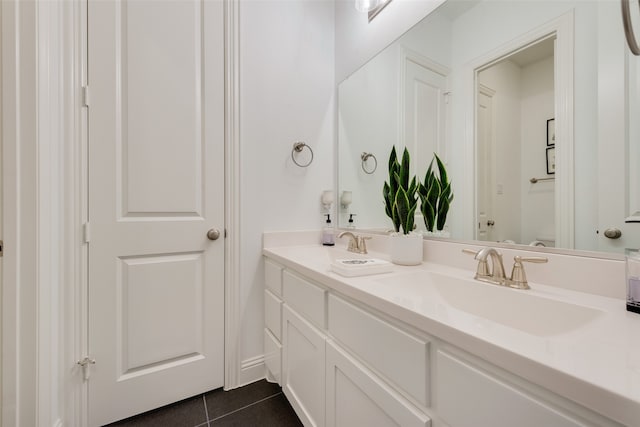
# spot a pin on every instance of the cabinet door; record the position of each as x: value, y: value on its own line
x: 303, y: 360
x: 468, y: 396
x: 356, y: 397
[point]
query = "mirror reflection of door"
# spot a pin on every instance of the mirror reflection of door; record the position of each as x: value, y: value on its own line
x: 425, y: 92
x: 485, y: 166
x: 511, y: 138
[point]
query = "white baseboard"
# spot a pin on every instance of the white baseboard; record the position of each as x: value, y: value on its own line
x: 251, y: 370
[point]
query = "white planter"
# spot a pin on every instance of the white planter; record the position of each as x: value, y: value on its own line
x: 405, y: 249
x: 438, y: 233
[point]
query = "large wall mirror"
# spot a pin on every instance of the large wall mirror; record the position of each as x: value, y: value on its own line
x: 531, y: 104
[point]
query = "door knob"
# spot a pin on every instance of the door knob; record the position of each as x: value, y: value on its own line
x: 612, y: 233
x: 213, y: 234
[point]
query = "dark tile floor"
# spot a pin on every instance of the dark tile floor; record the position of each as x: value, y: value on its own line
x: 257, y: 404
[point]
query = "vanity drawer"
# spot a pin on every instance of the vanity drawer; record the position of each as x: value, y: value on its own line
x: 273, y: 314
x: 273, y: 277
x: 307, y: 298
x: 273, y: 356
x: 469, y: 396
x: 402, y: 358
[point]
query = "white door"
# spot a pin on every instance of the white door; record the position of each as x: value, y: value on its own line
x: 485, y: 165
x: 424, y: 112
x: 156, y: 174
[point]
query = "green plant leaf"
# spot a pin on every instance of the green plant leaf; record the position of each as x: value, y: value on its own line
x: 404, y: 170
x: 443, y: 209
x: 393, y: 159
x: 402, y: 208
x: 442, y: 170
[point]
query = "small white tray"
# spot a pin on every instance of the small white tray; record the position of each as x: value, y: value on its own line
x: 353, y: 267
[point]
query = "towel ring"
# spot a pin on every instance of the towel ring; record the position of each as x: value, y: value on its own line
x: 628, y: 28
x: 366, y: 156
x: 297, y: 148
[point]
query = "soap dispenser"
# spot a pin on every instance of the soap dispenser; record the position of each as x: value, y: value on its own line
x: 327, y: 233
x: 350, y: 224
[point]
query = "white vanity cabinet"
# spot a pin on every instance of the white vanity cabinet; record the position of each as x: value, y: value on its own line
x: 303, y: 362
x: 343, y: 364
x: 357, y: 397
x: 323, y: 381
x: 468, y: 395
x: 273, y: 320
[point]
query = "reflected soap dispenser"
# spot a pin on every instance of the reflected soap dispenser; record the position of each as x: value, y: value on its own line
x: 327, y: 232
x: 350, y: 224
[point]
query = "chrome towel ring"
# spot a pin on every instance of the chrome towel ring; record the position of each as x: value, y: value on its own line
x: 366, y: 156
x: 297, y: 148
x: 628, y: 28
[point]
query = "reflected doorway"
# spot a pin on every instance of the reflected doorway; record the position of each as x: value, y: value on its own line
x: 515, y: 185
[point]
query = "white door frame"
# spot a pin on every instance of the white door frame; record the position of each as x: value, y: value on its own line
x: 33, y: 144
x: 44, y: 286
x: 563, y: 29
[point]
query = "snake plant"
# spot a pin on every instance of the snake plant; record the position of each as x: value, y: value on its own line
x: 400, y: 193
x: 435, y: 196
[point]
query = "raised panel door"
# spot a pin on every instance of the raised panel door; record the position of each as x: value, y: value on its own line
x: 156, y: 173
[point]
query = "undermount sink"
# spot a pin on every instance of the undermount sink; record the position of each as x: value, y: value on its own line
x: 513, y: 308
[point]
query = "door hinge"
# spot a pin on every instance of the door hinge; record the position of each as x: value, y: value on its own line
x: 86, y: 232
x: 85, y: 96
x: 1, y: 248
x: 86, y: 366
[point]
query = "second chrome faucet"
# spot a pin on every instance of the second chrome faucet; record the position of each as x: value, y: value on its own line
x: 357, y: 244
x: 496, y: 274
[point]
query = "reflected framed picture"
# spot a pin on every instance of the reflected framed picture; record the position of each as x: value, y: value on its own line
x: 551, y: 160
x: 551, y: 132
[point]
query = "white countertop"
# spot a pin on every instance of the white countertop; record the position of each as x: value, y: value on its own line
x: 596, y: 364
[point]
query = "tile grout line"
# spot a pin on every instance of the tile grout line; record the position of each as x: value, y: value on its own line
x: 206, y: 410
x: 247, y: 406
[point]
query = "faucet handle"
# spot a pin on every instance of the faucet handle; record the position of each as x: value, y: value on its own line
x: 362, y: 245
x: 483, y: 265
x: 518, y: 276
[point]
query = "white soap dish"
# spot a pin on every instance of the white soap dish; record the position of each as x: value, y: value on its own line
x: 353, y: 267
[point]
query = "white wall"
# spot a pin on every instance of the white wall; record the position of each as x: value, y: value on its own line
x: 368, y: 111
x: 537, y: 106
x: 368, y: 121
x: 287, y: 91
x: 358, y: 40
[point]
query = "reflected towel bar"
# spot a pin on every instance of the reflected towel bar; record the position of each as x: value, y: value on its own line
x: 534, y: 180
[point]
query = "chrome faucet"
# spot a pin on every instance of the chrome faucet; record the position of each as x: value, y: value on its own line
x: 496, y: 275
x: 357, y: 244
